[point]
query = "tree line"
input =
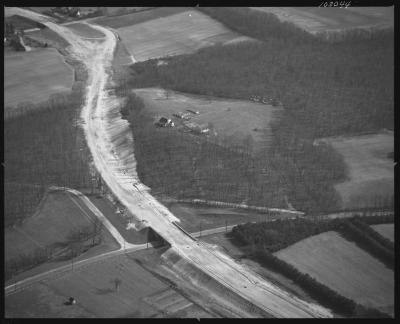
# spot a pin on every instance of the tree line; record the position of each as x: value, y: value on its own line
x: 43, y: 147
x: 260, y: 240
x: 277, y: 235
x: 78, y: 241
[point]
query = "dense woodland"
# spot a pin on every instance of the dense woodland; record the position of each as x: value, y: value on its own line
x: 259, y: 240
x: 184, y: 165
x: 43, y: 146
x: 263, y: 26
x: 326, y: 89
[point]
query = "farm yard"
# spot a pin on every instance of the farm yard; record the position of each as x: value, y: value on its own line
x: 345, y: 268
x: 386, y: 230
x: 319, y: 19
x: 234, y: 121
x: 34, y: 76
x: 178, y: 33
x: 139, y: 294
x: 370, y: 169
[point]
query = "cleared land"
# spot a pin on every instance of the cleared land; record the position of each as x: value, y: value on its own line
x: 34, y: 76
x: 370, y: 170
x: 85, y: 30
x: 116, y: 11
x: 59, y: 214
x: 344, y: 267
x: 179, y: 33
x: 136, y: 17
x: 140, y: 294
x: 316, y: 19
x: 234, y: 121
x: 386, y: 230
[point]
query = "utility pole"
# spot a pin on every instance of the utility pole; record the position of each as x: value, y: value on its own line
x: 200, y: 228
x: 226, y: 226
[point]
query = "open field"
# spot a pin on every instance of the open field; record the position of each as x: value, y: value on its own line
x: 136, y: 17
x: 386, y: 230
x: 140, y: 294
x: 344, y: 267
x: 85, y: 30
x: 34, y: 76
x: 180, y: 33
x: 234, y: 121
x: 117, y: 11
x: 58, y: 215
x: 316, y: 19
x: 371, y: 171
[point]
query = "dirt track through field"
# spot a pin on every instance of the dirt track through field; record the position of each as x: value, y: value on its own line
x: 111, y: 144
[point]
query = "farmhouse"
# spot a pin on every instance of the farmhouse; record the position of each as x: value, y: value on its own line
x: 165, y: 122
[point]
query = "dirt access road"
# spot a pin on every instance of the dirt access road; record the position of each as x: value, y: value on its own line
x: 110, y: 141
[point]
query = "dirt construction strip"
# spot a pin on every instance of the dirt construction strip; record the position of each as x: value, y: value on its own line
x: 110, y: 141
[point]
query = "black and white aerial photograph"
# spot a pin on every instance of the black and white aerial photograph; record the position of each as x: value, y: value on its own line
x: 199, y: 161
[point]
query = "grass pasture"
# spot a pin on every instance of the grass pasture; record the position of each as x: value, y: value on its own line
x: 345, y: 268
x: 179, y: 33
x: 85, y: 30
x: 140, y: 294
x: 59, y: 214
x: 319, y: 19
x: 34, y: 76
x: 135, y: 17
x: 386, y: 230
x: 233, y: 120
x: 118, y: 11
x: 371, y: 171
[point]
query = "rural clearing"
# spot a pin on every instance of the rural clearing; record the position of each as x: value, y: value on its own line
x: 34, y: 76
x: 179, y: 33
x: 345, y: 268
x: 319, y: 19
x: 235, y: 121
x: 370, y: 170
x: 386, y: 230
